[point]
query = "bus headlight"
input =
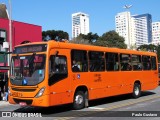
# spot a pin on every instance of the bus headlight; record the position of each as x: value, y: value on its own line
x: 40, y: 93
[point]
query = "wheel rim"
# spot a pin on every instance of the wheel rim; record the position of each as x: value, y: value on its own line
x: 136, y: 91
x: 79, y: 99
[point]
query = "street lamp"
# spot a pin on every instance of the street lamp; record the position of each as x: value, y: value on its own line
x: 127, y: 6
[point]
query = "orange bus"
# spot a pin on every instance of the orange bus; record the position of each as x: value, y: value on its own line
x: 54, y: 73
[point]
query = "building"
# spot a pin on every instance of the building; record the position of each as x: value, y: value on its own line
x: 21, y: 32
x: 80, y: 24
x: 142, y: 29
x: 136, y: 29
x: 156, y: 33
x: 123, y: 25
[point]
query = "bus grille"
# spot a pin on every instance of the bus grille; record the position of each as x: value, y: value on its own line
x: 23, y: 90
x: 28, y: 102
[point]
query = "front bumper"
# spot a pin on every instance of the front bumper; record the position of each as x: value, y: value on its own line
x: 42, y: 101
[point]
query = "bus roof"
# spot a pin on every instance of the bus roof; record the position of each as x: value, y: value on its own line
x: 67, y: 45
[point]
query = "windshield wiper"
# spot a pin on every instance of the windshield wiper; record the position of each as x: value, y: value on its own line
x: 31, y: 58
x: 30, y: 63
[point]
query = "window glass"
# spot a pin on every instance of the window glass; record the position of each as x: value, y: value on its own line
x: 112, y: 63
x: 79, y: 61
x: 58, y: 64
x: 3, y: 37
x: 146, y: 62
x: 30, y: 67
x: 57, y: 69
x: 136, y: 62
x: 153, y: 61
x: 3, y: 57
x: 125, y: 61
x: 96, y: 61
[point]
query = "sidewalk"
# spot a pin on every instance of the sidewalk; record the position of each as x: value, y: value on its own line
x: 4, y: 103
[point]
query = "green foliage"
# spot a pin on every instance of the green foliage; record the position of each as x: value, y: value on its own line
x: 85, y: 39
x: 133, y: 47
x: 90, y: 37
x: 158, y: 52
x: 79, y: 40
x: 152, y: 48
x: 54, y: 35
x: 111, y: 39
x: 149, y: 47
x: 108, y: 39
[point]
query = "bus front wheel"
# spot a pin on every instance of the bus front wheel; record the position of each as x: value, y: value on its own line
x: 79, y: 100
x: 136, y: 90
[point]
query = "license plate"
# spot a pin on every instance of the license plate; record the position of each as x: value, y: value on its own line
x: 16, y: 94
x: 22, y: 103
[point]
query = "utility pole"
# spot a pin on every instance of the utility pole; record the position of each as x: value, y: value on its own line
x: 10, y: 33
x: 10, y: 26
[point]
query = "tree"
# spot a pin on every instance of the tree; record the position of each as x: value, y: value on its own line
x: 79, y: 40
x: 90, y: 37
x: 149, y: 47
x: 85, y: 39
x: 111, y: 39
x: 158, y: 52
x: 54, y: 35
x: 133, y: 47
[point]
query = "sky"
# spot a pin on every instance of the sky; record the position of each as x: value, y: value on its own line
x: 56, y: 14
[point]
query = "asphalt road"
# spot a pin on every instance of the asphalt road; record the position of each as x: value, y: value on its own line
x: 122, y: 107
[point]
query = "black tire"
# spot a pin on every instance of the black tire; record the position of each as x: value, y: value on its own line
x: 79, y: 100
x: 136, y: 90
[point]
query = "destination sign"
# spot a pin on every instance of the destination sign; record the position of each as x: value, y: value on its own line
x: 30, y: 49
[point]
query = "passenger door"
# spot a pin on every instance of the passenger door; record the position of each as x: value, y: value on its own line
x: 59, y: 81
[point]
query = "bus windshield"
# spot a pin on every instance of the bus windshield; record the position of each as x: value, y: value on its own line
x: 27, y: 70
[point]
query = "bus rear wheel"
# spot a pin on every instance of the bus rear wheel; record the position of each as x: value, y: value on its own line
x: 79, y: 100
x: 136, y: 90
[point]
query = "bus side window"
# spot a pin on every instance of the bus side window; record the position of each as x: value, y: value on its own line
x: 146, y: 62
x: 112, y: 63
x: 96, y: 61
x: 79, y: 61
x: 136, y: 62
x: 153, y: 62
x: 125, y: 62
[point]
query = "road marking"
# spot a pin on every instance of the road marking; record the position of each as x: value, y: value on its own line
x: 111, y: 108
x: 154, y: 101
x: 96, y: 108
x: 131, y: 103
